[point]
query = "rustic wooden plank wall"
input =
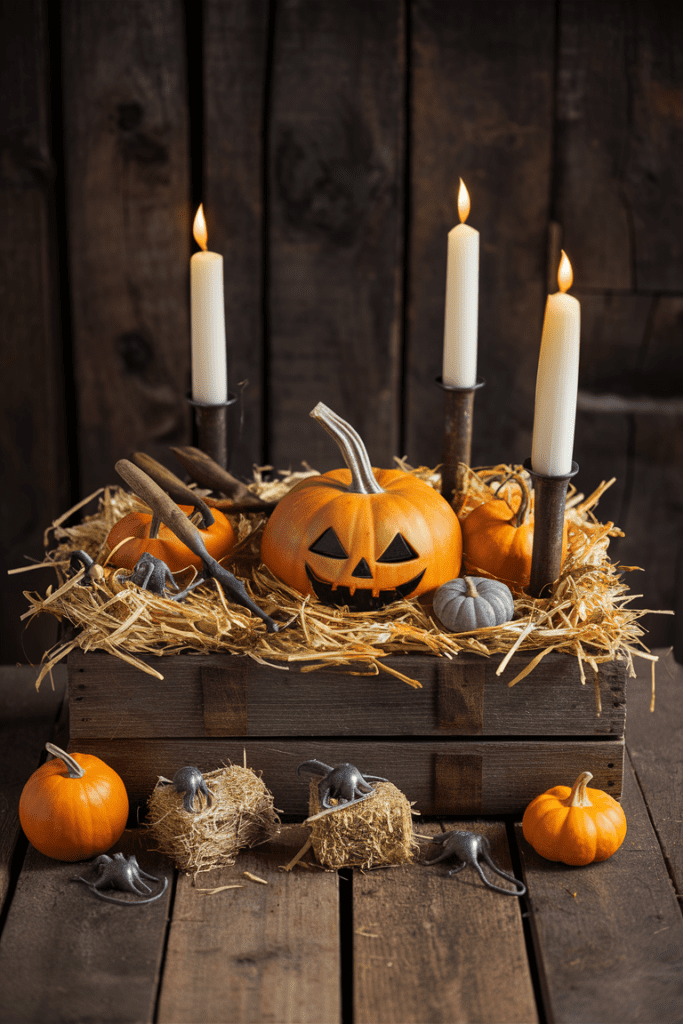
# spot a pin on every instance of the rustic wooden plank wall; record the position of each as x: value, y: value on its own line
x: 326, y: 141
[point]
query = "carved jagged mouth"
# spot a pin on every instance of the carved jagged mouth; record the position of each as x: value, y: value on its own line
x: 363, y: 599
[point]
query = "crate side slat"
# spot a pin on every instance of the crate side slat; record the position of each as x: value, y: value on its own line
x: 439, y: 777
x: 219, y: 695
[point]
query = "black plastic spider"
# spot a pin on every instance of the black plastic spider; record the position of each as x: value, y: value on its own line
x: 190, y: 782
x: 343, y: 783
x: 125, y: 874
x: 469, y: 847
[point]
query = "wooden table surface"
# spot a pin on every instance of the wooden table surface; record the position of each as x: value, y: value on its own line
x: 597, y: 944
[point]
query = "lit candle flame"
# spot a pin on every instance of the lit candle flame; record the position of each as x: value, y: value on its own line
x: 463, y: 202
x: 199, y: 228
x: 565, y: 275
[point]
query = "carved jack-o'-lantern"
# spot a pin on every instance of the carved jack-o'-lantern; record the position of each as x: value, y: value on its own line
x: 360, y: 536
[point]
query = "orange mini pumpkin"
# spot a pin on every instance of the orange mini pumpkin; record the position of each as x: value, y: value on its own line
x: 360, y: 536
x: 73, y: 807
x: 575, y: 826
x: 141, y: 532
x: 498, y: 540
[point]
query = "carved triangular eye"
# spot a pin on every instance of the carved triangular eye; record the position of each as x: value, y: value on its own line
x: 398, y: 551
x: 328, y: 544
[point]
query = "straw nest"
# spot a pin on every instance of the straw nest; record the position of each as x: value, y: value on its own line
x: 376, y: 832
x: 587, y: 614
x: 241, y: 816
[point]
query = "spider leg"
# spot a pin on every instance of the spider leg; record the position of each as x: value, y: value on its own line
x: 206, y: 793
x: 190, y: 587
x: 143, y: 874
x: 128, y: 903
x: 499, y: 871
x: 135, y: 882
x: 324, y: 794
x: 363, y: 787
x: 314, y: 767
x: 149, y: 572
x: 454, y: 871
x: 168, y: 578
x: 444, y: 855
x: 375, y: 778
x: 490, y: 885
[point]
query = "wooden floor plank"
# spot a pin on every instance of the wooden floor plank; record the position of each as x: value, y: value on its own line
x: 67, y: 957
x: 431, y: 949
x: 609, y: 937
x: 266, y: 953
x: 655, y: 742
x: 27, y: 720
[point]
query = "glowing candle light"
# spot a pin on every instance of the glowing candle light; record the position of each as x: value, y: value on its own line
x: 209, y: 358
x: 557, y: 380
x: 462, y: 300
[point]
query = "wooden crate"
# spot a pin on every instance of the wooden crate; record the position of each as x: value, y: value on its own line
x: 464, y: 744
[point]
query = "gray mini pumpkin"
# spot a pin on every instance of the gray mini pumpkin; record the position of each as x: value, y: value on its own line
x: 471, y: 602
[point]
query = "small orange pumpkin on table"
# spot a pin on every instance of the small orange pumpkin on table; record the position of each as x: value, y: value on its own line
x: 141, y: 532
x: 73, y: 807
x: 360, y: 536
x: 575, y: 825
x: 498, y: 539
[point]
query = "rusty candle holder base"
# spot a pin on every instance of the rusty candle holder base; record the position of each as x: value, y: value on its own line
x: 212, y: 428
x: 458, y: 408
x: 550, y: 493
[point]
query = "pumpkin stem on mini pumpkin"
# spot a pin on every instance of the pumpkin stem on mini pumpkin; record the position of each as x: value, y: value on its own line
x: 363, y: 480
x: 520, y: 516
x: 578, y: 796
x: 471, y: 589
x: 73, y: 767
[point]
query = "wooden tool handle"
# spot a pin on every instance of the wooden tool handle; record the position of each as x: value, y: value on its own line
x: 173, y: 486
x: 175, y: 519
x: 163, y: 506
x: 208, y: 473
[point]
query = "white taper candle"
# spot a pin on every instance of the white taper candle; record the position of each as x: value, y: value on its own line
x: 557, y: 380
x: 209, y: 357
x: 462, y: 301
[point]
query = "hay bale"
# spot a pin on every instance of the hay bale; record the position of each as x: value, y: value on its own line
x: 373, y: 833
x: 241, y: 815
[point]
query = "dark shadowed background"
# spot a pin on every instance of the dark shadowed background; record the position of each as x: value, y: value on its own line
x: 326, y: 139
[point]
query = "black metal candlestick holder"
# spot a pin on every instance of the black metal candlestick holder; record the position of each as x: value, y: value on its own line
x: 458, y: 409
x: 212, y: 428
x: 550, y: 495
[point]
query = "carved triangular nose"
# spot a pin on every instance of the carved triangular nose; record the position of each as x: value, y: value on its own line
x: 362, y: 571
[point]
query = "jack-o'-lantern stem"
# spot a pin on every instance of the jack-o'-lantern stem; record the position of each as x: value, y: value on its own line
x: 351, y: 445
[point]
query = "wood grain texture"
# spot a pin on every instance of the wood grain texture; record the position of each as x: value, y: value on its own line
x: 608, y: 936
x: 466, y: 123
x: 620, y: 106
x: 129, y: 227
x: 235, y: 96
x: 33, y: 477
x: 510, y: 774
x: 593, y: 202
x: 257, y: 953
x: 628, y: 350
x: 335, y: 226
x: 429, y: 949
x: 218, y: 695
x: 655, y: 741
x: 27, y: 722
x: 95, y: 961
